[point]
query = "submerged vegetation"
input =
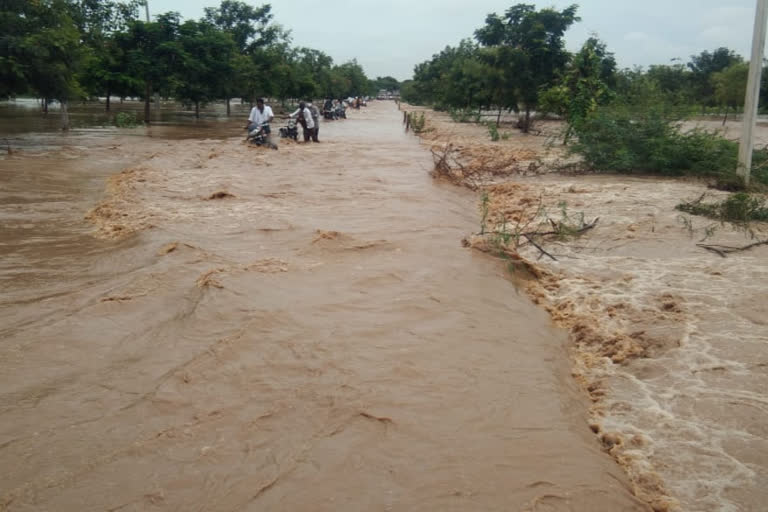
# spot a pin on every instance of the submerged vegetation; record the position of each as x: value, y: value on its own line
x: 739, y: 208
x: 126, y: 120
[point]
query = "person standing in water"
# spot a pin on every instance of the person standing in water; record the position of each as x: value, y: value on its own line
x: 304, y: 118
x: 315, y: 119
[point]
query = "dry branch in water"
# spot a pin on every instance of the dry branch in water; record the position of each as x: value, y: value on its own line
x: 472, y: 166
x: 724, y: 250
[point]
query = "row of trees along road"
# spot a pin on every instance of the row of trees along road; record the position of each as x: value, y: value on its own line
x: 518, y: 62
x: 69, y: 50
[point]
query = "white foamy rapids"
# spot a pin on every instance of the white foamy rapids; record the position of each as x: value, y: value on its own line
x: 694, y: 401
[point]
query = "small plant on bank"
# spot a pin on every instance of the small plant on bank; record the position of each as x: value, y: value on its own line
x: 417, y: 122
x: 484, y: 212
x: 534, y: 229
x: 126, y: 120
x: 493, y: 131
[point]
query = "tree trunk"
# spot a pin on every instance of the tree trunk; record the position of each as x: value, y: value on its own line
x: 527, y: 125
x: 726, y: 115
x: 228, y: 109
x: 147, y: 96
x: 64, y: 116
x: 197, y: 110
x: 109, y: 93
x: 498, y: 117
x: 45, y: 106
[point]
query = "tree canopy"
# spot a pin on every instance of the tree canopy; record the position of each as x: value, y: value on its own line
x: 78, y: 49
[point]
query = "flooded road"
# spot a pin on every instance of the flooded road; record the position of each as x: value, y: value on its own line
x: 243, y: 329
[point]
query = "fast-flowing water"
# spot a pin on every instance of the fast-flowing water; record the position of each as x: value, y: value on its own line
x: 236, y: 328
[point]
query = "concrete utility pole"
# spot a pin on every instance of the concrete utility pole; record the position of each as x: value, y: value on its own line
x: 157, y: 94
x: 753, y: 91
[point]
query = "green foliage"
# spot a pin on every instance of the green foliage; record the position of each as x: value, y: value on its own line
x: 417, y: 122
x: 730, y: 85
x: 583, y: 86
x: 67, y: 49
x: 385, y: 83
x: 703, y: 66
x: 461, y: 115
x: 126, y: 120
x: 493, y: 131
x: 525, y: 48
x: 740, y: 208
x: 624, y: 140
x: 616, y: 139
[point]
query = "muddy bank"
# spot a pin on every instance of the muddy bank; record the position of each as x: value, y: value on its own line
x: 668, y: 340
x: 289, y: 330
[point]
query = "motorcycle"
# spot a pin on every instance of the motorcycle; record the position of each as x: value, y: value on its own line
x: 260, y: 136
x: 290, y: 131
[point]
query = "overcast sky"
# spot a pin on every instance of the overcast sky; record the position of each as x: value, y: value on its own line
x: 389, y: 37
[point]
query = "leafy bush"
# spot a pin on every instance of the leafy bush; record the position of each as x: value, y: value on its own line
x: 461, y: 115
x: 739, y: 208
x: 650, y: 142
x: 126, y: 120
x: 493, y: 131
x: 417, y: 122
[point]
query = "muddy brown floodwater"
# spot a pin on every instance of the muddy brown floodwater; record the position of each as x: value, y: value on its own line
x: 240, y: 329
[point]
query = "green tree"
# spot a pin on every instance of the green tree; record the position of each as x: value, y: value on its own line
x: 152, y: 54
x: 730, y: 86
x: 249, y: 26
x: 584, y: 85
x: 703, y: 66
x: 386, y: 83
x: 529, y: 52
x: 40, y: 51
x: 205, y: 66
x: 104, y: 70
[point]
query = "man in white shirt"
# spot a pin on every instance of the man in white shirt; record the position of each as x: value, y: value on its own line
x: 306, y: 121
x: 261, y: 114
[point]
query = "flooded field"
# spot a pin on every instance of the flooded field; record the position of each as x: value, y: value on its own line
x: 669, y: 340
x: 196, y: 324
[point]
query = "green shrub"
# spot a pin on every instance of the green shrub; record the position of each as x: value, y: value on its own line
x: 650, y: 142
x: 739, y: 208
x: 493, y: 131
x: 417, y: 122
x: 126, y: 120
x: 460, y: 115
